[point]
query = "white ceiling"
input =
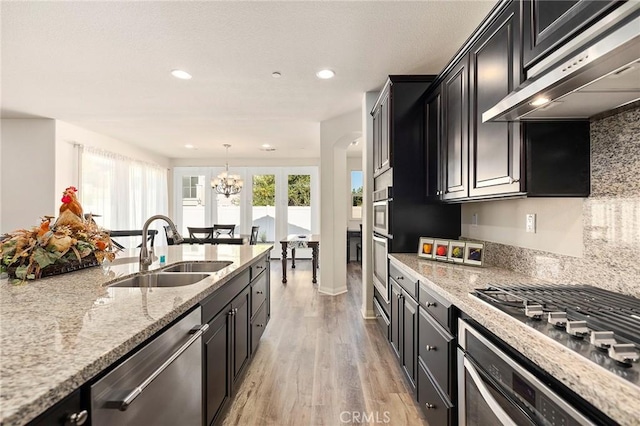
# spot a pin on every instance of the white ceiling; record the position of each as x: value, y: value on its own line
x: 105, y: 66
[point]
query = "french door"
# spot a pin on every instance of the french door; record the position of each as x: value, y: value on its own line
x: 280, y: 200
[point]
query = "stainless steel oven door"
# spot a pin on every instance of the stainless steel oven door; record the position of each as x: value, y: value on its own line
x: 381, y: 217
x: 494, y: 389
x: 380, y: 266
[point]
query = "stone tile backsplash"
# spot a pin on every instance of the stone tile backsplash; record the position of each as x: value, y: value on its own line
x: 611, y: 217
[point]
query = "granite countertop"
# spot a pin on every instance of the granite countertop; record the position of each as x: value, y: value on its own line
x: 609, y: 393
x: 57, y: 333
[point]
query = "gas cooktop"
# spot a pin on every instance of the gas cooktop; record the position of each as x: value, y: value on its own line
x: 600, y: 325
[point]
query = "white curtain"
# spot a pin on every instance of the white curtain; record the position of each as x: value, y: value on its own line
x: 124, y: 191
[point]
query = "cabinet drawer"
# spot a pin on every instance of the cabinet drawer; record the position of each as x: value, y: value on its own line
x: 257, y: 327
x: 435, y: 348
x: 439, y: 309
x: 223, y: 296
x: 382, y: 318
x: 386, y: 306
x: 258, y: 293
x: 258, y: 268
x: 406, y: 282
x: 437, y: 409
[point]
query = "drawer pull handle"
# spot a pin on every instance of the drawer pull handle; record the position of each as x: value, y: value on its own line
x: 259, y: 267
x: 258, y: 292
x: 429, y: 406
x: 430, y: 348
x: 259, y: 325
x: 399, y: 277
x: 430, y: 304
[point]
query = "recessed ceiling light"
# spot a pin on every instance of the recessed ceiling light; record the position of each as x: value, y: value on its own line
x: 539, y: 101
x: 276, y: 74
x: 183, y: 75
x: 325, y: 74
x: 189, y: 146
x: 266, y: 145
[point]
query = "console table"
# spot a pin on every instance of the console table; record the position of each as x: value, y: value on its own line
x: 300, y: 241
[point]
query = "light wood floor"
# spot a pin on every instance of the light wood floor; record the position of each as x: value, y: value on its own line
x: 320, y: 363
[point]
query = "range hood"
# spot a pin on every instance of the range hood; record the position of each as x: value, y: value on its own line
x: 602, y: 76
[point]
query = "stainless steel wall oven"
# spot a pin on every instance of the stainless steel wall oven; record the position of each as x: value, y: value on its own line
x: 381, y: 211
x: 381, y: 265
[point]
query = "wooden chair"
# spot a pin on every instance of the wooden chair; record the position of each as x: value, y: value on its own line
x: 223, y: 230
x: 254, y: 235
x: 200, y: 235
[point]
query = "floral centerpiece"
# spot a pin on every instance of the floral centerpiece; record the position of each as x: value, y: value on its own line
x: 72, y: 242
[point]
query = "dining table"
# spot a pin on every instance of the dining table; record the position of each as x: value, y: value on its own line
x: 295, y: 241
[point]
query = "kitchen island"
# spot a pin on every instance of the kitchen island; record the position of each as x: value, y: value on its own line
x: 58, y: 333
x: 614, y: 396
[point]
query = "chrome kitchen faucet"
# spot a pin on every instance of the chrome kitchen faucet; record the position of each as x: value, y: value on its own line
x: 145, y: 256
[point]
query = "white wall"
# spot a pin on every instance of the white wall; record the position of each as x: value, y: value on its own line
x: 335, y: 136
x: 559, y: 223
x: 28, y: 168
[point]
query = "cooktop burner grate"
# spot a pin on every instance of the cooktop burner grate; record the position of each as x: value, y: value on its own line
x: 602, y: 309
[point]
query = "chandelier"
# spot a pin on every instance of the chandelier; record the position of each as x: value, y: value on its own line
x: 225, y: 183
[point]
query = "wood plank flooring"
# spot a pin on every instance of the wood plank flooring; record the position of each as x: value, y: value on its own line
x: 320, y: 363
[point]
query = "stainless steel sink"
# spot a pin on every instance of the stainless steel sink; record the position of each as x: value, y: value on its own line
x: 210, y: 266
x: 160, y: 280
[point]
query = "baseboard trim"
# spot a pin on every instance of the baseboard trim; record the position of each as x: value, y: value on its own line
x: 337, y: 292
x: 368, y: 314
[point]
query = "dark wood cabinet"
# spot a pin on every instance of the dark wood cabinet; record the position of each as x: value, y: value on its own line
x: 455, y: 131
x: 396, y: 317
x: 385, y: 130
x: 549, y: 23
x: 503, y: 159
x: 409, y: 327
x: 404, y: 320
x: 236, y: 324
x: 217, y: 374
x: 494, y: 71
x: 433, y: 137
x: 436, y: 349
x: 240, y: 332
x: 437, y: 409
x: 376, y: 141
x: 69, y: 411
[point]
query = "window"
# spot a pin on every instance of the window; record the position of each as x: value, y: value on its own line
x: 190, y: 187
x: 264, y: 206
x: 356, y: 194
x: 124, y: 192
x: 299, y: 204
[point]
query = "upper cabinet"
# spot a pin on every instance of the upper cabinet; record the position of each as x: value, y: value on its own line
x: 455, y: 135
x: 549, y: 23
x: 397, y: 123
x: 499, y: 159
x: 494, y: 72
x: 432, y: 151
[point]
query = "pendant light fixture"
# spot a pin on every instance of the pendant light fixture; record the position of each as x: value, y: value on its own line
x: 225, y: 183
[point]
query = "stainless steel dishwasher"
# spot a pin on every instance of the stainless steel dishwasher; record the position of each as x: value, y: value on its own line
x: 161, y: 384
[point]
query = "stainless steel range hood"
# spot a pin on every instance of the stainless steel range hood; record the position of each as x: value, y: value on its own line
x: 604, y: 75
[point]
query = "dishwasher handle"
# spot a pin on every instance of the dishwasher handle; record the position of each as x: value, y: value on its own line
x: 124, y: 403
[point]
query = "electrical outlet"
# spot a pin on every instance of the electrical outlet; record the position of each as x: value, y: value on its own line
x: 531, y: 222
x: 474, y: 219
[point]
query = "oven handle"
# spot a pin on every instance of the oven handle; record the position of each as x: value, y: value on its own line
x: 380, y: 239
x: 486, y: 395
x: 122, y: 405
x: 381, y: 203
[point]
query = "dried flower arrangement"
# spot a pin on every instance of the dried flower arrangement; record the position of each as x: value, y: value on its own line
x: 71, y: 243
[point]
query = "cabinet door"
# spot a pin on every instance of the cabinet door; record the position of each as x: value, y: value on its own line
x: 396, y: 316
x: 548, y: 23
x: 63, y: 413
x: 455, y: 150
x: 241, y: 332
x: 409, y: 323
x: 376, y: 140
x: 385, y: 132
x: 494, y: 70
x: 217, y: 366
x: 432, y: 133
